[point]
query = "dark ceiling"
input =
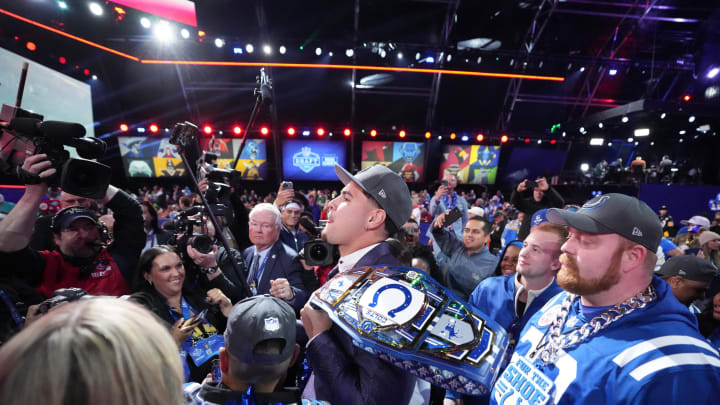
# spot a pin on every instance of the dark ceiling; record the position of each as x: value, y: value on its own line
x: 660, y: 49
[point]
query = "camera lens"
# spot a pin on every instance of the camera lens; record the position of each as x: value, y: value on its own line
x: 318, y: 252
x: 202, y: 244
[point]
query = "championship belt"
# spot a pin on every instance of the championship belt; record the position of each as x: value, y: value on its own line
x: 408, y: 319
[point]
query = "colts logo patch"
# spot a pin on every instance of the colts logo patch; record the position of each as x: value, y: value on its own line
x: 596, y: 202
x: 391, y: 302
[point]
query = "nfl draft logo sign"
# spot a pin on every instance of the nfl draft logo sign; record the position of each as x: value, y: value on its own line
x: 306, y: 160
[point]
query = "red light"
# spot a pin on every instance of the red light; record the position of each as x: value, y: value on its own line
x: 264, y: 130
x: 31, y: 46
x: 553, y: 142
x: 453, y: 136
x: 124, y: 127
x: 291, y: 131
x: 480, y: 137
x: 527, y: 140
x: 86, y: 72
x: 402, y: 134
x: 237, y: 130
x: 154, y: 128
x: 62, y: 60
x: 347, y: 132
x: 373, y: 133
x: 320, y: 132
x: 686, y: 97
x: 504, y: 138
x: 428, y: 135
x: 207, y: 129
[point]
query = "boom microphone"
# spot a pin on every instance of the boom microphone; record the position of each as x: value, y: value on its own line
x: 54, y: 129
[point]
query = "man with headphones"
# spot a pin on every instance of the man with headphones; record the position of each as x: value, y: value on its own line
x: 81, y: 260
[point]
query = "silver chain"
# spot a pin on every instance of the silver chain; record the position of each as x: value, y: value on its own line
x: 555, y: 340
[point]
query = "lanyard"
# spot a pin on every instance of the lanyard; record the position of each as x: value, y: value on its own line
x: 259, y: 273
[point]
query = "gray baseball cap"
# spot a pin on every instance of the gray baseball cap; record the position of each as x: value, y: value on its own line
x: 257, y: 319
x: 614, y: 213
x: 689, y: 267
x: 386, y: 187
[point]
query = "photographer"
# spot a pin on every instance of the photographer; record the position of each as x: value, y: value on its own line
x: 543, y: 196
x: 81, y: 260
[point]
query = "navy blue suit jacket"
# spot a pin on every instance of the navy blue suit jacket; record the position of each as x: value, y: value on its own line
x: 282, y: 262
x: 345, y: 374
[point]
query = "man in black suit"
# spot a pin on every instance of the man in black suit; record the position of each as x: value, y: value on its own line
x: 373, y: 205
x: 274, y: 267
x: 154, y: 235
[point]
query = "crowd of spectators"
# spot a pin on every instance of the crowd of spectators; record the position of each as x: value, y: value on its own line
x: 238, y: 316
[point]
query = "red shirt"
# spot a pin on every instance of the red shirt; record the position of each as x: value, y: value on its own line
x: 105, y: 279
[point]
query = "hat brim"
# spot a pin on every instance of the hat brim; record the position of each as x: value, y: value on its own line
x: 345, y: 177
x: 576, y: 220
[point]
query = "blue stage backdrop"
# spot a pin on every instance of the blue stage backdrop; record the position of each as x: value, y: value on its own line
x: 311, y: 160
x: 532, y: 162
x: 683, y: 201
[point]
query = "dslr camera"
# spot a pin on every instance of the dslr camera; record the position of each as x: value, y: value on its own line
x: 24, y: 133
x: 183, y: 234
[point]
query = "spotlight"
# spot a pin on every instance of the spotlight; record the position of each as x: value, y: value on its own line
x: 86, y: 72
x: 237, y: 50
x: 94, y: 77
x: 382, y: 53
x: 399, y: 55
x: 682, y: 132
x: 124, y: 127
x: 237, y: 130
x: 582, y: 69
x: 402, y: 134
x: 141, y: 130
x: 291, y: 131
x: 321, y: 131
x: 249, y: 48
x: 539, y: 141
x: 527, y: 140
x: 584, y: 167
x: 582, y: 130
x: 264, y: 130
x: 631, y: 140
x: 691, y: 119
x: 713, y: 72
x: 201, y: 34
x: 63, y: 5
x: 600, y: 125
x: 662, y: 116
x: 318, y: 51
x: 612, y: 72
x: 597, y: 141
x: 207, y: 129
x: 347, y: 132
x: 282, y: 50
x: 163, y: 31
x: 219, y: 42
x: 625, y: 119
x: 145, y: 22
x: 417, y: 56
x: 686, y: 97
x: 609, y: 143
x: 553, y: 142
x: 642, y: 132
x: 504, y: 138
x: 349, y: 53
x: 95, y: 8
x: 464, y: 138
x: 306, y: 133
x: 330, y: 53
x: 428, y: 135
x: 453, y: 136
x: 62, y: 60
x: 267, y: 50
x: 154, y: 128
x: 185, y: 33
x: 481, y: 137
x: 373, y: 133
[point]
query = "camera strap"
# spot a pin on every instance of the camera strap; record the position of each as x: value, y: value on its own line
x: 26, y: 177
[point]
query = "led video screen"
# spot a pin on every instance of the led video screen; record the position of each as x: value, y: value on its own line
x: 473, y: 164
x: 252, y: 164
x: 150, y: 157
x: 312, y: 160
x: 405, y: 158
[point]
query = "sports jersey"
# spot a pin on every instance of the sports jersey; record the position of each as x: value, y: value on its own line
x: 651, y: 355
x: 510, y: 233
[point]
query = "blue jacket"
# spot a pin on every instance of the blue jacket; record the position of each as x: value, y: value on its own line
x: 464, y: 272
x: 295, y: 242
x: 653, y: 355
x: 281, y: 262
x: 347, y: 375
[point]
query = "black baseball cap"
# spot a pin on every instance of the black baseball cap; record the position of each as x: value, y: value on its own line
x: 689, y: 267
x: 257, y: 319
x: 614, y: 213
x: 386, y: 187
x: 65, y: 217
x: 663, y: 207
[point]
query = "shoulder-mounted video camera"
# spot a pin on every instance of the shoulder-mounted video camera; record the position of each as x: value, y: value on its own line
x: 24, y: 133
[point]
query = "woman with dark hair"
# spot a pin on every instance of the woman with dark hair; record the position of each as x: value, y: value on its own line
x: 709, y: 319
x: 196, y: 323
x: 508, y: 259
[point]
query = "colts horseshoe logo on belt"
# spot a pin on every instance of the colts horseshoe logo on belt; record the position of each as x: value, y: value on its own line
x: 403, y: 306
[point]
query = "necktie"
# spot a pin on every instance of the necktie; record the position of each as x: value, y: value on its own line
x: 253, y: 274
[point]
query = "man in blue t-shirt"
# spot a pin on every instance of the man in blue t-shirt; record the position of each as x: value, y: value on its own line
x: 616, y: 335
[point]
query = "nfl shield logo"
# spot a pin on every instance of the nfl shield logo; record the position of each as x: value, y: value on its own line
x: 272, y: 324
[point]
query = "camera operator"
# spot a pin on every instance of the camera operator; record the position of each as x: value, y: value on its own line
x: 42, y: 236
x: 81, y: 260
x: 371, y: 207
x: 543, y: 196
x: 208, y: 265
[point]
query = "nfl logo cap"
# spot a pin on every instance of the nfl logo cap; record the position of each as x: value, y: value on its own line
x: 255, y: 320
x: 386, y: 187
x: 614, y: 213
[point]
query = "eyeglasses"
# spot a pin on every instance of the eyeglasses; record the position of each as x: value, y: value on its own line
x: 264, y: 226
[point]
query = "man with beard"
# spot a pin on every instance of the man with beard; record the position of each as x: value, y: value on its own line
x: 616, y: 335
